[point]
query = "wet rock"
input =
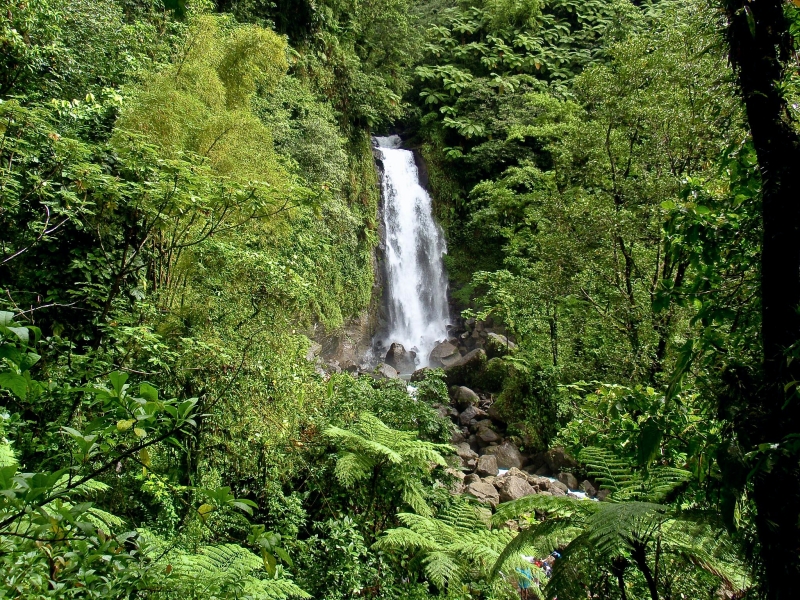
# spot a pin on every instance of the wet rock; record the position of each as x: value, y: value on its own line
x: 384, y: 371
x: 587, y: 487
x: 484, y: 492
x: 464, y: 397
x: 557, y: 460
x: 400, y: 358
x: 603, y: 494
x: 507, y: 455
x: 443, y: 355
x: 514, y: 488
x: 499, y: 345
x: 487, y: 465
x: 466, y: 369
x: 569, y: 480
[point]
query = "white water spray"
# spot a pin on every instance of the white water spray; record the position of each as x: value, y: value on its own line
x: 416, y: 281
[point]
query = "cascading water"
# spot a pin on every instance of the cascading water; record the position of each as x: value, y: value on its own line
x: 416, y: 290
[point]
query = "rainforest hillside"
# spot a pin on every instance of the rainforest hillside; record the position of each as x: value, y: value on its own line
x: 193, y: 263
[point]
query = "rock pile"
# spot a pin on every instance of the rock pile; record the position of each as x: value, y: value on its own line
x: 492, y: 468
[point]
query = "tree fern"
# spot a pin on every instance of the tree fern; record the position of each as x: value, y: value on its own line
x: 617, y: 476
x: 640, y: 532
x: 223, y: 570
x: 371, y: 449
x: 457, y: 545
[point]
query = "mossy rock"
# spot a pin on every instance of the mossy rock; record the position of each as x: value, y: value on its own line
x: 468, y: 370
x: 495, y: 374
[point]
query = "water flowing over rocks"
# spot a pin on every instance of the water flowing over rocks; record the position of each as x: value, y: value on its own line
x: 415, y: 295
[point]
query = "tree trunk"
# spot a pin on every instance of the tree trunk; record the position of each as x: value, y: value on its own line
x: 760, y: 47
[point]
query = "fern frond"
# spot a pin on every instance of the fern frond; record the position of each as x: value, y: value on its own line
x: 611, y: 472
x: 529, y: 537
x: 273, y: 589
x: 402, y: 538
x: 616, y: 526
x: 352, y: 467
x: 7, y: 456
x: 412, y: 495
x: 441, y: 569
x: 87, y: 489
x: 554, y: 506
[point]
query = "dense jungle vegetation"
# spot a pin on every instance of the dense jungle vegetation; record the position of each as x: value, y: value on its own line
x: 188, y: 196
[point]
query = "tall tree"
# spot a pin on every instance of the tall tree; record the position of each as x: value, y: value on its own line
x: 761, y: 47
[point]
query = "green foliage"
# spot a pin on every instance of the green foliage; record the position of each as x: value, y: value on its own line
x: 453, y: 549
x: 372, y: 451
x: 220, y: 571
x: 602, y: 542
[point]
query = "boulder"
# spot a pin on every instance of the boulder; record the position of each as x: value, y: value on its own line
x: 513, y: 488
x: 470, y: 413
x: 484, y: 492
x: 457, y: 485
x: 485, y: 434
x: 465, y: 452
x: 495, y: 375
x: 466, y: 369
x: 558, y: 489
x: 557, y: 460
x: 472, y: 478
x: 569, y: 480
x: 464, y: 397
x: 420, y: 374
x: 400, y: 358
x: 507, y: 455
x: 587, y: 487
x: 499, y: 345
x: 603, y: 494
x: 384, y: 371
x: 487, y: 465
x: 457, y: 437
x: 443, y: 355
x: 494, y: 414
x: 543, y: 483
x: 515, y: 472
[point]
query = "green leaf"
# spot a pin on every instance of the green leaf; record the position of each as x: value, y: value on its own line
x: 17, y: 384
x: 269, y: 562
x: 148, y: 392
x: 650, y: 436
x: 118, y: 380
x: 284, y: 556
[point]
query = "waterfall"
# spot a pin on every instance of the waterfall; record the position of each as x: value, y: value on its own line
x: 416, y: 286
